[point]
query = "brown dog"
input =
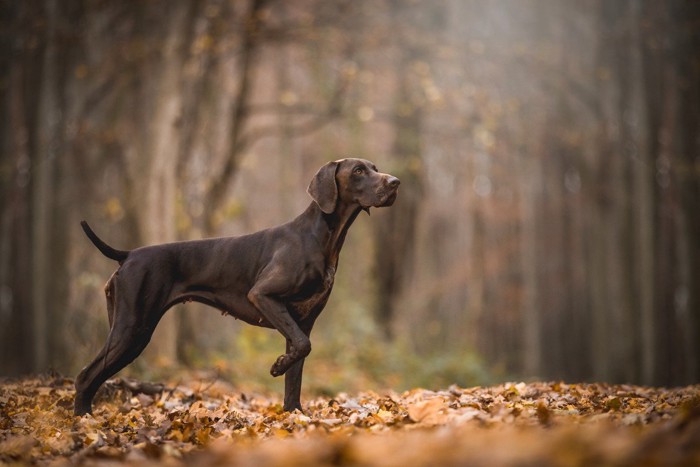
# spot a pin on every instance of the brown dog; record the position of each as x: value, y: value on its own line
x: 278, y: 278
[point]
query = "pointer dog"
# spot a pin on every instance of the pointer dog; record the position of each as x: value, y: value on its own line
x: 277, y: 278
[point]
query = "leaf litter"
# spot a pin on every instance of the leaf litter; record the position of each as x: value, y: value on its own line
x: 211, y: 423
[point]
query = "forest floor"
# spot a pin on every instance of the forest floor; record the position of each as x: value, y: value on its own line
x: 211, y: 423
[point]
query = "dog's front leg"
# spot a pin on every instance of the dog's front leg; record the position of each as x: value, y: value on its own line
x: 292, y: 386
x: 276, y: 313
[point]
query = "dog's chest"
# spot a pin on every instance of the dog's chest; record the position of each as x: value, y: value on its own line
x: 314, y: 303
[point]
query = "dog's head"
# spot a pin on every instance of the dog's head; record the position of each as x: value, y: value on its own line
x: 352, y: 181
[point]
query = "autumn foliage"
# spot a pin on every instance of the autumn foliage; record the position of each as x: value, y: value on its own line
x: 210, y: 423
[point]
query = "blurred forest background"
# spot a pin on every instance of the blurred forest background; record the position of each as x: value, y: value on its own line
x: 547, y: 226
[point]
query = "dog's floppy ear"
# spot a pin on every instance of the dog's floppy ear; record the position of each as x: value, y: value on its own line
x: 323, y: 188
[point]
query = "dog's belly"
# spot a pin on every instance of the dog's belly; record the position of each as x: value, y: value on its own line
x: 237, y: 306
x: 306, y: 302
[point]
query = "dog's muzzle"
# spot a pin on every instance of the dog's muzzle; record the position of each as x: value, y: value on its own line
x: 392, y: 190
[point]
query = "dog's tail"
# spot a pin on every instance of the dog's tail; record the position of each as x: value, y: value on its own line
x: 108, y: 251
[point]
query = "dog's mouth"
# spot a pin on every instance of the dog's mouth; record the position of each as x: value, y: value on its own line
x: 390, y: 198
x: 387, y: 197
x: 384, y: 196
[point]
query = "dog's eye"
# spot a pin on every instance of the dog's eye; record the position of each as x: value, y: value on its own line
x: 358, y: 170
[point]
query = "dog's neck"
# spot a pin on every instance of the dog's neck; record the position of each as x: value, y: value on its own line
x: 330, y: 229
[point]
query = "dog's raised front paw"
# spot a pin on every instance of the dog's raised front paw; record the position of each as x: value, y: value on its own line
x: 281, y: 365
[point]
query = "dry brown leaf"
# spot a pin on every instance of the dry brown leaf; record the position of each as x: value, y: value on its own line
x: 429, y: 412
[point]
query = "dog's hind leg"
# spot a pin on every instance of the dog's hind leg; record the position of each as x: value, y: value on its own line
x: 110, y: 297
x: 129, y: 335
x: 120, y: 350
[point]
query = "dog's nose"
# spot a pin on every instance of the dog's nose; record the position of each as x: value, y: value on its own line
x: 392, y: 181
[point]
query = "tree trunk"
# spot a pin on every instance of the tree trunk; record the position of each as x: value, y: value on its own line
x: 19, y: 108
x: 395, y: 232
x: 49, y: 240
x: 159, y: 150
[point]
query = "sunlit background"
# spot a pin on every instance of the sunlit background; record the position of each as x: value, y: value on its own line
x: 548, y: 221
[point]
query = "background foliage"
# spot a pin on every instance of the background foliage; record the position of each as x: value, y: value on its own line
x: 548, y: 220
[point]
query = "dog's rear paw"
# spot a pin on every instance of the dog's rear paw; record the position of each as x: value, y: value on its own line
x: 82, y: 408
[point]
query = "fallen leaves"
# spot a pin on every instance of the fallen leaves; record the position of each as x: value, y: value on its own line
x: 430, y: 412
x: 209, y: 422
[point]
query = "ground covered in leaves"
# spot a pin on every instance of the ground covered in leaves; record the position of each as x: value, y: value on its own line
x: 211, y: 423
